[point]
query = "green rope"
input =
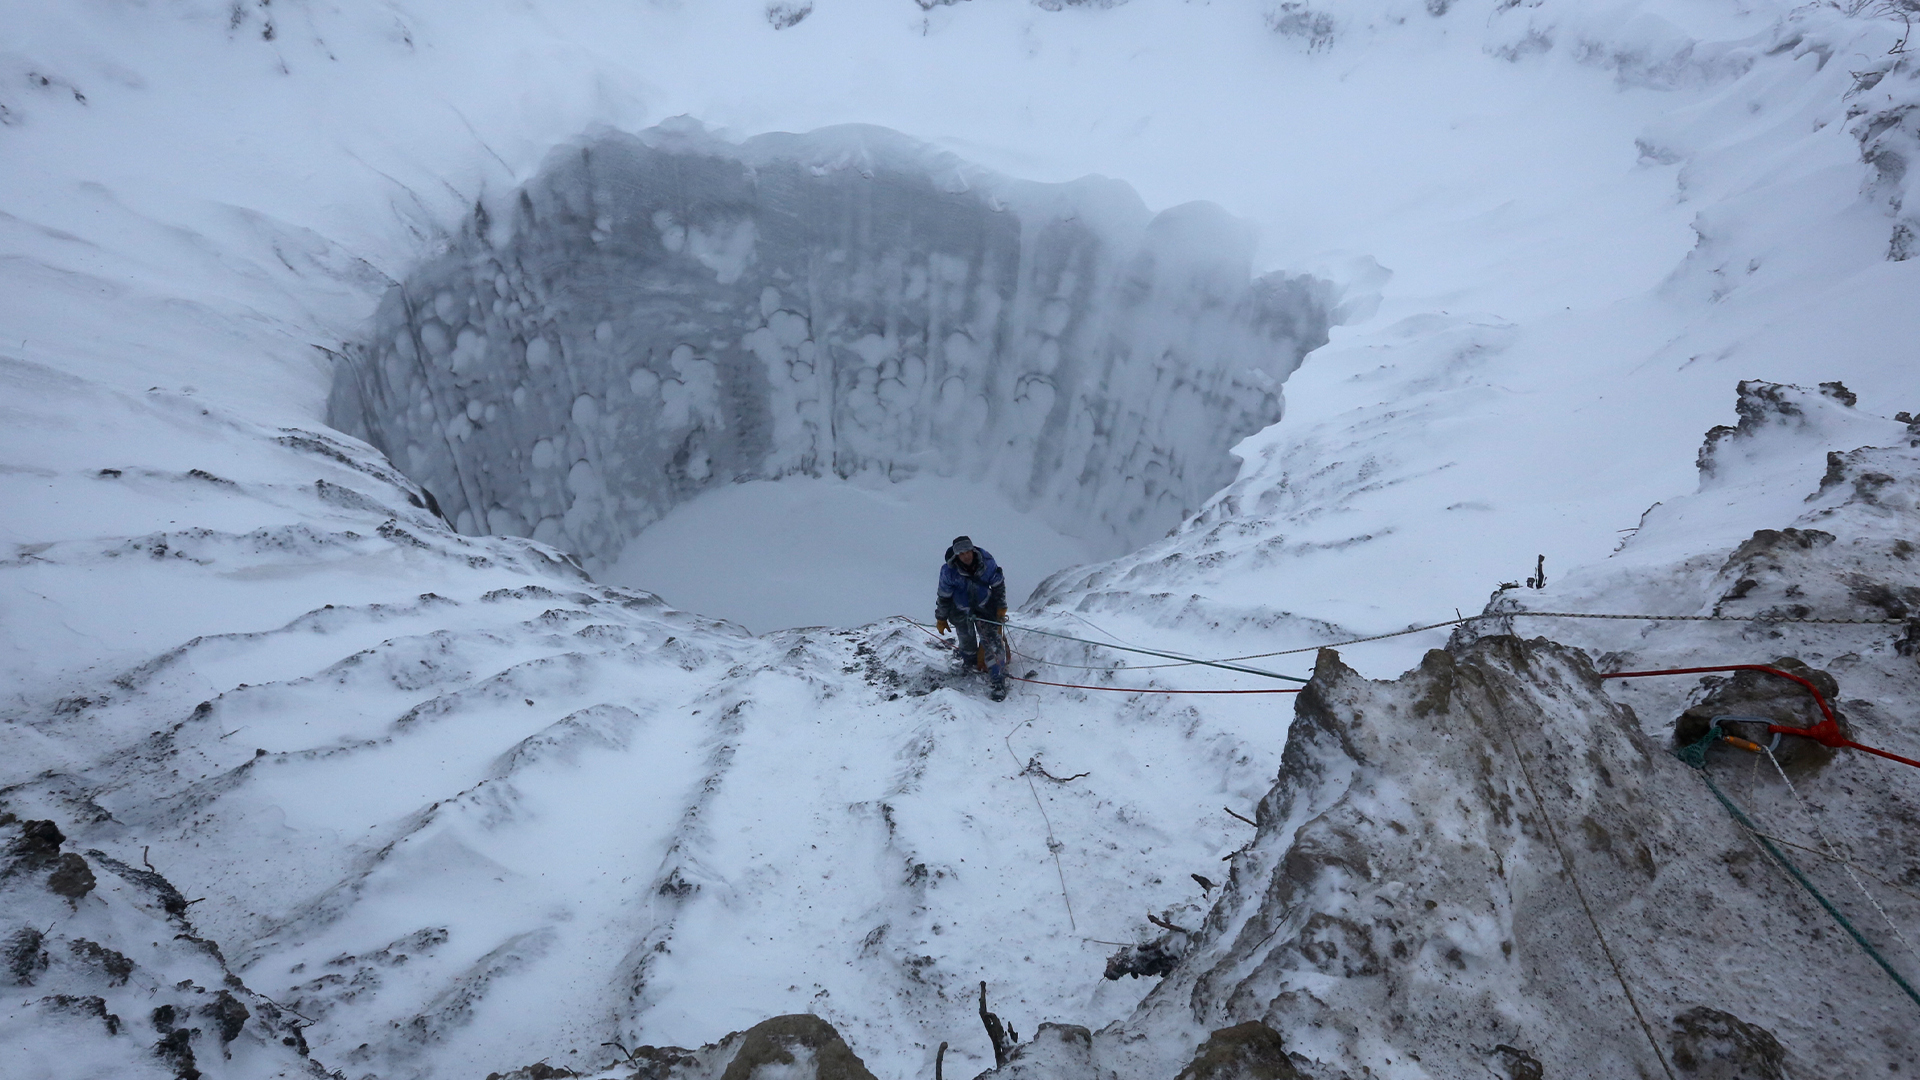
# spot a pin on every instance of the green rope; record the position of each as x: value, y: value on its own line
x: 1696, y: 758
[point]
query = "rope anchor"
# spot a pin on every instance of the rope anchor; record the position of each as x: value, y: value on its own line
x: 1827, y: 732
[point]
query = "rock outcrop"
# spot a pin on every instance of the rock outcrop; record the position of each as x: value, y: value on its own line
x: 798, y: 1046
x: 1490, y: 867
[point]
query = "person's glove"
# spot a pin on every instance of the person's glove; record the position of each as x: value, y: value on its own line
x: 1001, y: 616
x: 940, y: 625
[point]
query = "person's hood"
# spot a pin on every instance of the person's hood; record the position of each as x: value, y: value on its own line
x: 981, y: 561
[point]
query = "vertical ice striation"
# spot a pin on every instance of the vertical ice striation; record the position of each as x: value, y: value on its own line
x: 664, y: 312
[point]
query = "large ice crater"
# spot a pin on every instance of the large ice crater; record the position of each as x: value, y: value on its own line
x: 657, y: 316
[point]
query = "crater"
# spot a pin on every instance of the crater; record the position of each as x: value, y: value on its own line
x: 769, y: 380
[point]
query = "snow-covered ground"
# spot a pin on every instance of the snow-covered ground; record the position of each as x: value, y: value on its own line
x: 464, y: 808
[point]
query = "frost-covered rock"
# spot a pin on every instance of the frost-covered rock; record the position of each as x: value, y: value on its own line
x: 668, y: 312
x: 799, y: 1046
x: 116, y: 980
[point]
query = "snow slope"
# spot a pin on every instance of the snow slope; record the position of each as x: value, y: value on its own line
x: 1558, y: 234
x: 476, y: 809
x: 1455, y: 442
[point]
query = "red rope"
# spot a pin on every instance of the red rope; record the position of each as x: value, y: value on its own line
x: 1826, y: 732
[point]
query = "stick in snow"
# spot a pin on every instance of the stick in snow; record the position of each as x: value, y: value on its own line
x: 997, y: 1031
x: 1164, y: 925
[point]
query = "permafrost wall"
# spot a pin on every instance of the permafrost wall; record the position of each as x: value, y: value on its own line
x: 666, y: 312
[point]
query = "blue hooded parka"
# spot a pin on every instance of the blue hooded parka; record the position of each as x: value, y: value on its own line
x: 979, y: 590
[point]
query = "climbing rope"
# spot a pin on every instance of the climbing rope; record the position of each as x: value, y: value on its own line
x: 1690, y: 618
x: 1152, y: 652
x: 1053, y: 846
x: 1849, y: 864
x: 1558, y: 615
x: 1152, y: 690
x: 1112, y: 689
x: 1827, y: 732
x: 1834, y: 853
x: 1182, y: 661
x: 1695, y: 757
x: 1566, y: 863
x: 1096, y: 667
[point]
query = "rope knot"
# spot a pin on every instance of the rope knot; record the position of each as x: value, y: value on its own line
x: 1695, y: 755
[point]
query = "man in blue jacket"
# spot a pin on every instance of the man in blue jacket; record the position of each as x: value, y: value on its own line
x: 973, y: 592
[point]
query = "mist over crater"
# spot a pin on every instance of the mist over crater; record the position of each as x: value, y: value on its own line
x: 662, y: 314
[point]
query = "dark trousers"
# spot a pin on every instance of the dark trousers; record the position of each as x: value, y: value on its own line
x: 973, y: 633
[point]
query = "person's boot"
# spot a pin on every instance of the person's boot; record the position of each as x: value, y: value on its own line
x: 999, y: 691
x: 961, y: 662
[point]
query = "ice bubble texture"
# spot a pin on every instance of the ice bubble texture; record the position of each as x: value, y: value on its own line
x: 659, y: 313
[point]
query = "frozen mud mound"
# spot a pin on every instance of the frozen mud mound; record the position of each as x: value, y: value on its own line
x: 666, y: 312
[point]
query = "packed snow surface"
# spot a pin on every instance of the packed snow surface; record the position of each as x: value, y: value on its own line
x: 814, y: 552
x: 465, y: 807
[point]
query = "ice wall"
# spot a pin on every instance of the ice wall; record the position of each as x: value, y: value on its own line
x: 656, y: 314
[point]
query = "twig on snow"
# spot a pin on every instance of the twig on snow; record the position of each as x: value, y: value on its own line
x: 1034, y: 768
x: 1165, y: 925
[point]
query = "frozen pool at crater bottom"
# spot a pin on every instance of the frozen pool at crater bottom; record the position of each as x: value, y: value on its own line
x: 772, y: 554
